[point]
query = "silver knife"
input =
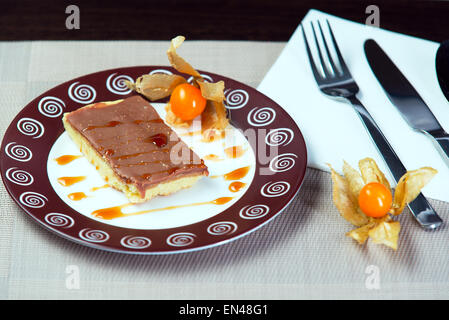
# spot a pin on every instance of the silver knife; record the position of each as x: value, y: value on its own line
x: 417, y: 114
x: 402, y: 94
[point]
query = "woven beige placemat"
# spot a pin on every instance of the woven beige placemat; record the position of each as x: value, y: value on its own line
x: 301, y: 254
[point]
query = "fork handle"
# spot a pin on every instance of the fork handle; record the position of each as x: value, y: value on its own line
x: 420, y: 207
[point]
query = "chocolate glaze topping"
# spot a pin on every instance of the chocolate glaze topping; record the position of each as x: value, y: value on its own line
x: 136, y: 142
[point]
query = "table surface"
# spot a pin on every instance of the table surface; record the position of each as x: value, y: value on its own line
x: 301, y: 254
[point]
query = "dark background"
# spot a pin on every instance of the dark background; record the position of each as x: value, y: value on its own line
x: 208, y: 19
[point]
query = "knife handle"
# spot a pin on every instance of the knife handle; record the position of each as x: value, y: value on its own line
x: 420, y: 207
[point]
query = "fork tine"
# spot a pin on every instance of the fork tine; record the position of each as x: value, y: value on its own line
x: 337, y: 50
x: 320, y: 55
x: 331, y: 60
x: 316, y: 74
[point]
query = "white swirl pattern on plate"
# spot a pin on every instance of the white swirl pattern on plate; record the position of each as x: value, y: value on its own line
x: 18, y: 152
x: 236, y: 99
x: 33, y: 199
x: 20, y: 177
x: 261, y: 116
x: 59, y: 220
x: 283, y: 162
x: 117, y: 85
x: 254, y: 212
x: 181, y: 239
x: 161, y: 71
x: 82, y: 93
x: 91, y: 235
x: 30, y: 127
x: 275, y: 189
x: 279, y: 137
x: 222, y: 228
x: 205, y: 77
x: 51, y: 107
x: 135, y: 242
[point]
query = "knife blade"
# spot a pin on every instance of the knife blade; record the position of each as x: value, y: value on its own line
x: 404, y: 96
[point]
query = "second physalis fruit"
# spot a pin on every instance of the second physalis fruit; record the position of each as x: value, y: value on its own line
x: 375, y: 200
x: 365, y: 200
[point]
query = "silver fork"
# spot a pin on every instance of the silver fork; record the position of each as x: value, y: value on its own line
x: 337, y: 82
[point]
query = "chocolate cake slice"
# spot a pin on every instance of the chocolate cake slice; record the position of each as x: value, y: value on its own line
x: 133, y: 149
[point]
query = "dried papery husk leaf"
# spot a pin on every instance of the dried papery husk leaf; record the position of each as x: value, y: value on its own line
x: 213, y: 121
x: 212, y: 90
x: 220, y: 110
x: 178, y: 62
x: 156, y: 86
x: 381, y: 231
x: 344, y: 200
x: 354, y: 179
x: 386, y: 232
x: 371, y: 172
x: 130, y: 85
x: 355, y: 183
x: 361, y: 234
x: 409, y: 187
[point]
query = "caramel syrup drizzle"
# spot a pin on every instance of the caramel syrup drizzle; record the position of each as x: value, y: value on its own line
x: 65, y: 159
x: 214, y: 137
x: 143, y: 163
x: 77, y: 196
x: 168, y: 171
x: 116, y: 212
x: 236, y: 174
x: 118, y: 144
x: 160, y: 140
x: 127, y: 156
x: 234, y: 152
x: 98, y: 188
x: 236, y: 186
x: 212, y: 157
x: 112, y: 124
x: 68, y: 181
x: 149, y: 121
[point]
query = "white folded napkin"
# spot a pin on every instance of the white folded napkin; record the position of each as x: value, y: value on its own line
x: 332, y: 130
